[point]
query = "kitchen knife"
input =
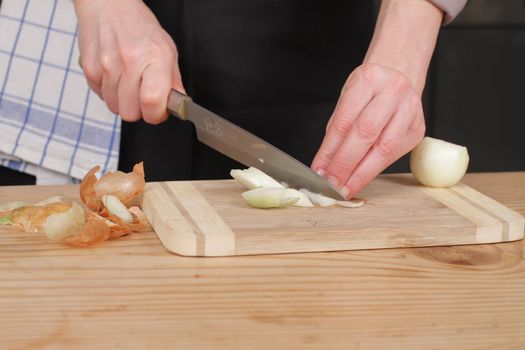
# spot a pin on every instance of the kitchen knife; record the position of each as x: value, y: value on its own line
x: 246, y: 148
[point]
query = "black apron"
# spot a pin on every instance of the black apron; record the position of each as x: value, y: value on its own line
x: 274, y: 67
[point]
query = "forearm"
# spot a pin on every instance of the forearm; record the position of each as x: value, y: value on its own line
x: 404, y: 38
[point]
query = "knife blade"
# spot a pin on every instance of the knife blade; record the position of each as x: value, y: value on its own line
x: 246, y: 148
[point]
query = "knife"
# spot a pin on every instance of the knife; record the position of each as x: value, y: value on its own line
x: 246, y: 148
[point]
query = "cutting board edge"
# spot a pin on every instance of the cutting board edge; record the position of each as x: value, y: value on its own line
x: 193, y: 227
x: 279, y: 252
x: 172, y: 240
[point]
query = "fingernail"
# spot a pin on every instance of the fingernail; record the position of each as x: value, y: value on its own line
x: 345, y: 191
x: 320, y: 172
x: 333, y: 180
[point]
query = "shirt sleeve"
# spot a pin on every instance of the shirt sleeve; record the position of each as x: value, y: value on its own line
x: 451, y: 8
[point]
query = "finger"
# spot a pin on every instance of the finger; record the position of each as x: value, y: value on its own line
x: 128, y: 95
x: 112, y: 71
x: 396, y: 140
x: 177, y: 79
x: 353, y: 100
x: 361, y: 137
x: 93, y: 72
x: 154, y: 90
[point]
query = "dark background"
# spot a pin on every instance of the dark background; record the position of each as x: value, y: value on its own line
x: 475, y: 92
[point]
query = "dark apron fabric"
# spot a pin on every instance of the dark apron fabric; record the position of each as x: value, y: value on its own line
x: 274, y: 67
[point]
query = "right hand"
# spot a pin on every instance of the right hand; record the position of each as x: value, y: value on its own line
x: 127, y: 58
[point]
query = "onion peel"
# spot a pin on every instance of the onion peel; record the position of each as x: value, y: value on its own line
x: 93, y: 232
x: 87, y: 190
x: 69, y: 223
x: 124, y: 186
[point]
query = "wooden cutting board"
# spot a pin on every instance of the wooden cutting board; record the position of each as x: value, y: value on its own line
x: 210, y: 218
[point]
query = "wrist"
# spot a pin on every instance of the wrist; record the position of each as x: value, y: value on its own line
x: 404, y: 38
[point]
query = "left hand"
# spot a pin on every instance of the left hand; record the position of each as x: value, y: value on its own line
x: 378, y: 118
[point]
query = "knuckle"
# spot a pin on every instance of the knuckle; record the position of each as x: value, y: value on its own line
x: 386, y: 147
x: 107, y: 61
x: 342, y: 162
x: 400, y: 84
x: 342, y: 126
x: 371, y: 72
x: 367, y: 130
x: 324, y: 157
x: 91, y: 73
x: 131, y: 55
x: 151, y: 99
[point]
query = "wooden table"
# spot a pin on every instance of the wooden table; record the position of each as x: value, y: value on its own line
x: 132, y: 293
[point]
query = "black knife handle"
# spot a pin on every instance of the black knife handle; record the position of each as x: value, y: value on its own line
x: 177, y: 104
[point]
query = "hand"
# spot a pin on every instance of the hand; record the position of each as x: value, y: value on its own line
x: 128, y: 59
x: 378, y: 118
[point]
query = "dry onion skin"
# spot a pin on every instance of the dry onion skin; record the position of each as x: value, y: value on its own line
x: 265, y: 192
x: 106, y: 212
x: 437, y: 163
x: 125, y: 186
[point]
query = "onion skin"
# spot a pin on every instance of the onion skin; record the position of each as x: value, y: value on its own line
x: 87, y: 190
x: 437, y: 163
x: 93, y: 232
x: 121, y: 185
x: 104, y: 216
x: 125, y: 186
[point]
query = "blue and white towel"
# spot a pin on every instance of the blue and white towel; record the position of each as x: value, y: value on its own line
x: 51, y: 124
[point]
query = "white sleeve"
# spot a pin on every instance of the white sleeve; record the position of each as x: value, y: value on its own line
x: 451, y: 8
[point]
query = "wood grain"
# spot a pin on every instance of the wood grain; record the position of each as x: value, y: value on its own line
x: 131, y: 293
x: 210, y: 218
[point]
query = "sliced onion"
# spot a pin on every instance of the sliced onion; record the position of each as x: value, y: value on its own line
x: 253, y: 178
x: 271, y: 197
x: 317, y: 198
x: 303, y: 201
x: 437, y: 163
x: 353, y: 203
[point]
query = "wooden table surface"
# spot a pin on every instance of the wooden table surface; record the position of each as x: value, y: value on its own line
x: 132, y: 293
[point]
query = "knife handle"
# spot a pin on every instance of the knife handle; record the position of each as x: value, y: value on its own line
x: 177, y: 104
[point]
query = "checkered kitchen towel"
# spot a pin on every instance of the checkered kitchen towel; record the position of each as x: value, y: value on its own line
x: 51, y: 123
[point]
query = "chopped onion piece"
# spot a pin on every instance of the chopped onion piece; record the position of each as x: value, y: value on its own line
x: 253, y: 178
x: 303, y: 201
x: 354, y: 203
x: 317, y: 198
x: 271, y: 197
x: 117, y: 208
